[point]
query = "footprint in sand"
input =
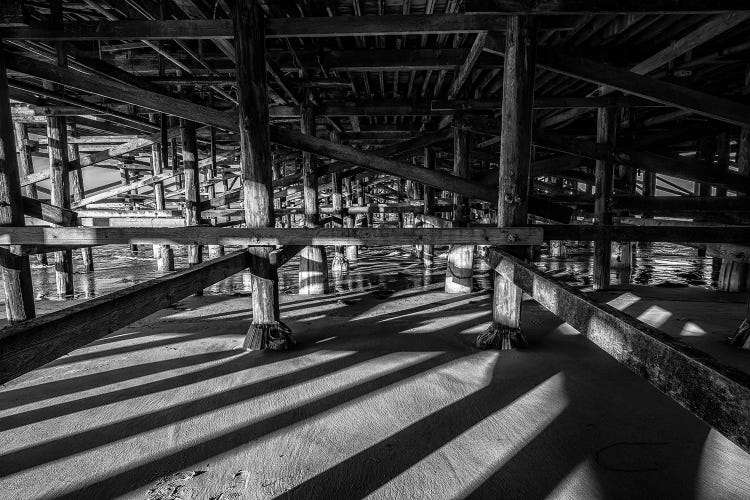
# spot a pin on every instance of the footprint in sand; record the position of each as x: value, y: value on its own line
x: 236, y: 489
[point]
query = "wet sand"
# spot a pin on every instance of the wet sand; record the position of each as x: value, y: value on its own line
x: 384, y: 397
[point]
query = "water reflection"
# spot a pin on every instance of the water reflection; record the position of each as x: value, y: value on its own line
x: 389, y: 268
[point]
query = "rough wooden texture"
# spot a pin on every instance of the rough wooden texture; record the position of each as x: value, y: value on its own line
x: 715, y: 393
x: 49, y: 213
x: 77, y: 189
x: 14, y: 267
x: 192, y: 187
x: 36, y: 342
x: 460, y: 263
x: 159, y: 154
x: 428, y: 251
x: 285, y: 236
x: 255, y: 160
x: 313, y: 266
x: 606, y: 133
x: 515, y: 166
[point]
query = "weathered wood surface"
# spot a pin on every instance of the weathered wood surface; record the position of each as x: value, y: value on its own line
x: 14, y: 267
x: 269, y: 236
x: 49, y: 213
x: 36, y: 342
x: 718, y: 394
x: 299, y: 27
x: 590, y: 7
x: 123, y: 189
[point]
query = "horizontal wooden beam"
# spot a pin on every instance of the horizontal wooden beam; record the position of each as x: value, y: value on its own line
x: 681, y: 203
x: 123, y: 92
x: 676, y: 234
x: 293, y: 27
x: 590, y: 7
x: 543, y: 103
x: 663, y: 92
x: 124, y: 189
x: 199, y: 235
x: 715, y: 393
x: 49, y: 213
x: 33, y: 343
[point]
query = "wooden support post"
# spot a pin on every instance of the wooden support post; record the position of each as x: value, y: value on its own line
x: 26, y: 164
x: 266, y: 330
x: 76, y: 185
x: 733, y: 276
x: 159, y: 153
x: 339, y: 264
x: 192, y: 187
x: 313, y: 267
x: 459, y: 270
x: 514, y: 172
x: 428, y: 251
x: 59, y: 167
x: 211, y: 173
x: 606, y: 133
x: 350, y: 251
x: 128, y: 199
x: 14, y: 267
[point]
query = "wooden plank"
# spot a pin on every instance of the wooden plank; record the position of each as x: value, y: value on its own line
x: 123, y: 189
x: 29, y: 345
x: 49, y: 213
x: 198, y: 235
x: 123, y: 92
x: 681, y: 204
x: 642, y: 86
x: 717, y: 394
x: 435, y: 179
x: 544, y: 103
x: 295, y: 27
x: 675, y: 233
x: 590, y: 7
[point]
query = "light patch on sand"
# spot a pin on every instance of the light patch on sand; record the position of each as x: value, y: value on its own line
x: 581, y: 482
x: 655, y: 316
x: 690, y: 329
x: 722, y: 471
x: 622, y: 302
x: 449, y: 322
x: 480, y: 451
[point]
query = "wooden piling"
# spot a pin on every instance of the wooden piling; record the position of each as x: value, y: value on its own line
x: 26, y: 165
x: 313, y: 267
x: 159, y: 153
x: 514, y: 171
x: 211, y: 173
x: 266, y: 330
x: 14, y: 266
x: 192, y: 187
x: 606, y: 133
x: 350, y: 251
x: 460, y: 266
x: 428, y: 251
x: 339, y: 264
x: 77, y: 189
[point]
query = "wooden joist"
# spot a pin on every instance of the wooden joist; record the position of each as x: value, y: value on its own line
x: 262, y: 236
x: 49, y: 213
x: 33, y: 343
x: 590, y: 7
x: 646, y: 87
x: 295, y: 27
x: 717, y: 394
x: 123, y: 189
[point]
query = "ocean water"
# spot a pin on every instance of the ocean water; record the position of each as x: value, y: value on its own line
x: 117, y: 267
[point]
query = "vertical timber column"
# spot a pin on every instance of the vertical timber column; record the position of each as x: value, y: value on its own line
x: 213, y: 250
x: 625, y: 175
x: 514, y: 171
x: 313, y: 267
x: 192, y: 187
x: 76, y: 185
x: 159, y: 152
x: 339, y: 264
x: 14, y: 267
x: 428, y: 251
x: 266, y: 330
x: 606, y: 133
x: 59, y: 165
x: 350, y: 251
x: 26, y: 164
x: 733, y: 276
x: 459, y: 269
